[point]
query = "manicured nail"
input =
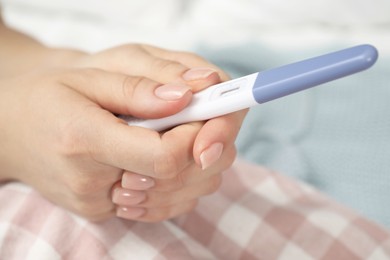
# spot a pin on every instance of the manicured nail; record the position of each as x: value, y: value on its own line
x: 130, y: 213
x: 136, y: 182
x: 211, y: 155
x: 171, y: 92
x: 197, y: 73
x: 127, y: 197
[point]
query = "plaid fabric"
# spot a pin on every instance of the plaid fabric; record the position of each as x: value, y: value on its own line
x: 257, y: 214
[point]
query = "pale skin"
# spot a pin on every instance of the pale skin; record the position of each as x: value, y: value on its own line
x: 60, y: 135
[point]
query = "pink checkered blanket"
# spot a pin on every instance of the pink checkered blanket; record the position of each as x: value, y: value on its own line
x: 257, y: 214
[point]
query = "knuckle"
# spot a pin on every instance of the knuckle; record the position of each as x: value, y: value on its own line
x: 132, y: 90
x: 165, y: 164
x: 166, y: 66
x: 82, y: 186
x: 170, y: 185
x: 214, y: 183
x: 170, y: 156
x: 195, y: 58
x: 130, y: 84
x: 80, y: 189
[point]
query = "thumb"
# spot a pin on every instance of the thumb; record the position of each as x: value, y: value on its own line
x: 128, y: 95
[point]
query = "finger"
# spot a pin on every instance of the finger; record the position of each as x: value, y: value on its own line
x: 163, y: 69
x: 156, y: 67
x: 154, y: 199
x: 188, y: 59
x: 154, y: 215
x: 216, y: 135
x: 86, y: 196
x: 136, y: 149
x: 97, y: 208
x: 110, y: 141
x: 126, y: 197
x: 158, y: 198
x: 191, y: 175
x: 122, y: 94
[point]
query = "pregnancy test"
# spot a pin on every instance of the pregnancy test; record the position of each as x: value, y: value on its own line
x: 264, y: 86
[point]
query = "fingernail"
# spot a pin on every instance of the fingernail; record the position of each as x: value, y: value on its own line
x: 211, y: 155
x: 136, y: 182
x: 130, y: 213
x: 197, y: 73
x: 171, y: 92
x: 127, y: 197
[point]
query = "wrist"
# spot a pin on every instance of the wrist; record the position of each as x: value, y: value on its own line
x: 39, y: 58
x: 53, y: 58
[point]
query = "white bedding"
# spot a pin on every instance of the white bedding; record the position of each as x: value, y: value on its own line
x: 93, y: 25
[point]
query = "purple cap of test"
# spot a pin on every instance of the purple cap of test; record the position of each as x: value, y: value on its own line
x: 285, y: 80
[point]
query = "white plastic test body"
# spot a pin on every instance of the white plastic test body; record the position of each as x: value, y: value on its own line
x: 258, y: 88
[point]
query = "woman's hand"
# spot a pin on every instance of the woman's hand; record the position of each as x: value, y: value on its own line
x: 180, y: 182
x: 59, y: 137
x: 62, y: 138
x: 199, y: 155
x: 167, y: 66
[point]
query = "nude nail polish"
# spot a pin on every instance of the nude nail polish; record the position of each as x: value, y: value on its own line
x: 137, y: 182
x: 130, y: 213
x: 171, y: 91
x: 209, y: 156
x: 127, y: 197
x: 197, y: 73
